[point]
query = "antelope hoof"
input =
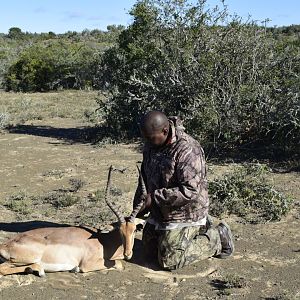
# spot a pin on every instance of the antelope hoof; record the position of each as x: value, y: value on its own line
x: 128, y: 257
x: 118, y: 265
x: 29, y: 270
x: 75, y: 270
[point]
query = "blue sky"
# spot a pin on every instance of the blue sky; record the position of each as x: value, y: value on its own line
x: 62, y: 15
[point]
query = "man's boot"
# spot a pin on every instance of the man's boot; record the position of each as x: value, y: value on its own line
x: 226, y: 240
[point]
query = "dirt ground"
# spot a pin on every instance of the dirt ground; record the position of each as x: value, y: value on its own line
x: 39, y: 157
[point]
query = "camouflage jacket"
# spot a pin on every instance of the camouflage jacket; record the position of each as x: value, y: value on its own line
x: 175, y: 176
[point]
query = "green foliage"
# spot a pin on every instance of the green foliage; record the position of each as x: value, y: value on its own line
x: 15, y: 33
x: 232, y: 83
x: 64, y: 197
x: 15, y: 43
x: 51, y: 66
x: 98, y: 196
x: 76, y: 184
x: 54, y: 173
x: 19, y: 202
x: 235, y: 83
x: 246, y: 193
x: 234, y: 281
x: 61, y: 198
x: 228, y: 282
x: 66, y: 200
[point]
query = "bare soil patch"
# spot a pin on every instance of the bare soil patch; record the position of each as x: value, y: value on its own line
x: 45, y: 161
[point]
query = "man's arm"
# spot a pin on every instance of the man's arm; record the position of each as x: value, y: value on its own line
x: 190, y: 173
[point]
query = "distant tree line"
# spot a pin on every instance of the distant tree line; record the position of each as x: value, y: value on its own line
x: 32, y: 62
x: 234, y: 82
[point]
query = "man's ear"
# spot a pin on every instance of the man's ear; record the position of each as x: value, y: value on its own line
x: 165, y: 131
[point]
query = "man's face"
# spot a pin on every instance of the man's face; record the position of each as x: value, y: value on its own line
x: 155, y: 138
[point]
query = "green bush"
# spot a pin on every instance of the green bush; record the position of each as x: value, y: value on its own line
x: 76, y: 184
x: 53, y: 65
x: 233, y: 83
x: 246, y: 193
x: 66, y: 200
x: 14, y: 44
x: 19, y: 202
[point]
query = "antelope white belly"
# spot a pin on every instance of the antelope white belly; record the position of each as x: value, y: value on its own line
x: 57, y: 267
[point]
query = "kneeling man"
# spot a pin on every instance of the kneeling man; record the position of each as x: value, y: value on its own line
x: 177, y: 232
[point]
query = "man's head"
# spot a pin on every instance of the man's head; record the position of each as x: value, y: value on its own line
x: 155, y: 128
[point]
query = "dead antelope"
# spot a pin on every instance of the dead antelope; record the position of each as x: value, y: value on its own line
x: 71, y: 248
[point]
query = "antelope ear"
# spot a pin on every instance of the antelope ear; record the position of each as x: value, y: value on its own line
x: 107, y: 228
x: 138, y: 221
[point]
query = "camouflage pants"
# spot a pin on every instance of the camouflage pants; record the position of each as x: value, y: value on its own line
x: 177, y: 248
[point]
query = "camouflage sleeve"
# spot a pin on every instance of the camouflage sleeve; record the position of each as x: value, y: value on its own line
x: 190, y: 174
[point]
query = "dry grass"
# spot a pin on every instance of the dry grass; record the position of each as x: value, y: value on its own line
x: 22, y: 107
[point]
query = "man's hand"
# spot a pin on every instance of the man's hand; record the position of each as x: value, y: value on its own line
x: 147, y: 202
x: 145, y: 208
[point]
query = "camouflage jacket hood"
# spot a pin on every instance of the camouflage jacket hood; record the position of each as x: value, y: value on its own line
x: 175, y: 176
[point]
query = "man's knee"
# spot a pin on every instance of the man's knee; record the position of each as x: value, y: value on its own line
x: 170, y: 261
x: 173, y: 256
x: 170, y: 253
x: 172, y: 247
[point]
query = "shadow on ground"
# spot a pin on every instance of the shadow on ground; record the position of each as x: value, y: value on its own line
x: 25, y: 226
x: 84, y: 134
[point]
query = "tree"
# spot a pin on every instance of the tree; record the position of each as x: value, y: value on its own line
x: 220, y: 73
x: 15, y: 33
x: 52, y: 65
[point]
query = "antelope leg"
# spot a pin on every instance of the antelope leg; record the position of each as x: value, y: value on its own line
x: 92, y: 264
x: 7, y: 268
x: 99, y: 264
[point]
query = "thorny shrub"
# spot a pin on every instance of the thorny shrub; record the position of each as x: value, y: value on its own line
x: 246, y: 193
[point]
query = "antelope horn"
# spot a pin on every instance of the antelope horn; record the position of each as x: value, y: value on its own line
x: 118, y: 214
x: 142, y: 181
x: 144, y: 193
x: 135, y: 211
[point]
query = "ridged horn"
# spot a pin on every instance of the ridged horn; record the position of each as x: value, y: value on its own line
x: 118, y: 214
x: 144, y: 193
x: 135, y: 211
x: 142, y: 181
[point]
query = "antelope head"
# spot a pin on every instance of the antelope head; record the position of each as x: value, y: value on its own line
x: 127, y: 226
